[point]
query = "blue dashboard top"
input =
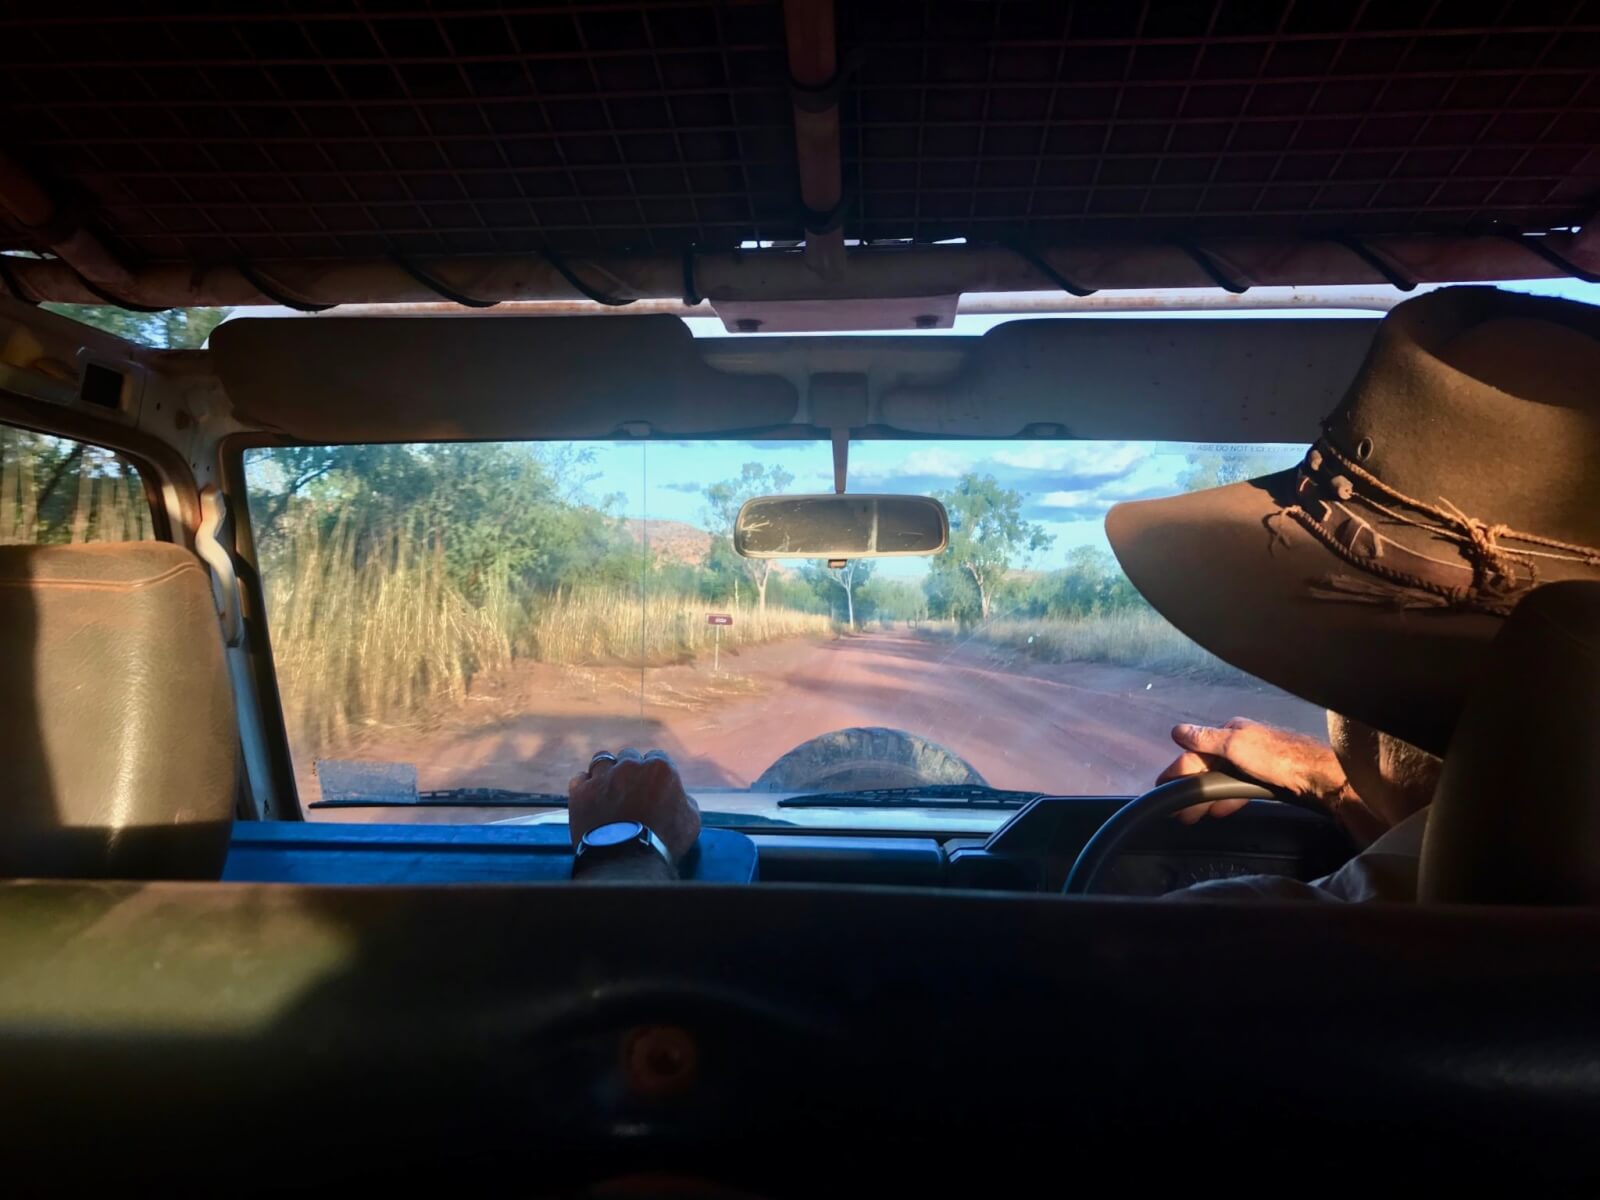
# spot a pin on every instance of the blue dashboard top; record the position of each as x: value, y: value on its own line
x: 332, y: 853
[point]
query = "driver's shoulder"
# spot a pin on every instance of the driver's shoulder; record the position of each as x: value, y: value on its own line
x: 1385, y: 871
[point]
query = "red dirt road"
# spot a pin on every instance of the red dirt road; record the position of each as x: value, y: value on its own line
x: 1071, y: 727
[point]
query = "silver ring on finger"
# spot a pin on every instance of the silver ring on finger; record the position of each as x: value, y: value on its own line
x: 601, y: 756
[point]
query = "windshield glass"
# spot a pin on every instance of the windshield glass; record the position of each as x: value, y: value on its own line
x: 491, y: 614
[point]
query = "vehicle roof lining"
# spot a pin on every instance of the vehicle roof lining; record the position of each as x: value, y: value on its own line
x: 258, y: 132
x: 250, y: 133
x: 418, y: 379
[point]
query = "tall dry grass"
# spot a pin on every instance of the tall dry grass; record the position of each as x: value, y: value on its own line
x: 373, y: 637
x: 380, y: 636
x: 1138, y: 638
x: 601, y: 625
x: 98, y: 498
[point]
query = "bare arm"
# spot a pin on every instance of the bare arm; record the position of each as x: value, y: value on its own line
x: 1297, y: 762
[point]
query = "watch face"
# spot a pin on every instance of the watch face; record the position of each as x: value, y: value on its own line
x: 614, y: 834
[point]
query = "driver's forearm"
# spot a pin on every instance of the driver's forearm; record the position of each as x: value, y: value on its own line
x: 641, y: 865
x: 1359, y: 821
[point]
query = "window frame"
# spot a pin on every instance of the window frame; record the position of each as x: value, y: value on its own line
x: 89, y: 433
x: 257, y: 644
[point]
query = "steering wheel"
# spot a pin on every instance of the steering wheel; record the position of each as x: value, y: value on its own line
x: 1163, y: 801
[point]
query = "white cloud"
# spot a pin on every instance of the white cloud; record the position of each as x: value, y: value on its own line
x: 1082, y: 497
x: 945, y: 464
x: 934, y: 463
x: 1132, y: 487
x: 1083, y: 458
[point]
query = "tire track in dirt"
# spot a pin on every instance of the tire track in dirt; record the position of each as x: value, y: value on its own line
x: 1068, y: 727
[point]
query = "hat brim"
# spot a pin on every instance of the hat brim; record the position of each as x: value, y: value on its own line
x: 1237, y: 578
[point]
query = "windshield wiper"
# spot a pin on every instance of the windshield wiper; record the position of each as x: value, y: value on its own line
x: 452, y: 798
x: 939, y: 795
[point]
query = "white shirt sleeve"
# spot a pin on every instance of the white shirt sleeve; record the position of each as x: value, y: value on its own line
x: 1385, y: 871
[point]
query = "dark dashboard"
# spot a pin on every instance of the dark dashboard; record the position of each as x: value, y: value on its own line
x: 1030, y: 853
x: 954, y: 1033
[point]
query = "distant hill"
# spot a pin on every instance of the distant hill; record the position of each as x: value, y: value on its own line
x: 674, y: 541
x: 681, y: 542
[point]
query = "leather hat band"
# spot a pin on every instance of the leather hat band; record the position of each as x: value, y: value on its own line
x: 1490, y: 567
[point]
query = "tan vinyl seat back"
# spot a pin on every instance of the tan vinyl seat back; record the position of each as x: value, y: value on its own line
x: 1516, y: 816
x: 118, y: 744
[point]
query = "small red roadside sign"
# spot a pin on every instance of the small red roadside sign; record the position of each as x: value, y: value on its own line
x: 719, y: 618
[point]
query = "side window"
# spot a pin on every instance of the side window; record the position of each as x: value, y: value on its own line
x: 56, y: 491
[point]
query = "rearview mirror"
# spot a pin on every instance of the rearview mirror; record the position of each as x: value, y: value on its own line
x: 840, y: 527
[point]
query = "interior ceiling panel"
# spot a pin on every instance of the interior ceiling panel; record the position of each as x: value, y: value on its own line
x: 419, y: 379
x: 283, y: 130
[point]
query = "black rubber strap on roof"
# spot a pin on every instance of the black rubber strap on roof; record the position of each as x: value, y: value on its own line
x: 824, y: 96
x: 567, y: 273
x: 1540, y: 245
x: 106, y: 297
x: 1213, y: 269
x: 1381, y: 263
x: 437, y: 286
x: 816, y: 98
x: 691, y: 291
x: 1038, y: 262
x: 276, y: 294
x: 813, y: 221
x: 11, y: 283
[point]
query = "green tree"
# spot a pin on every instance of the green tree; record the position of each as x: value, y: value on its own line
x: 854, y: 575
x: 723, y: 501
x: 892, y: 600
x: 950, y: 594
x: 1216, y: 468
x: 384, y: 477
x: 1090, y: 583
x: 500, y: 512
x: 987, y: 534
x: 56, y: 490
x: 171, y: 329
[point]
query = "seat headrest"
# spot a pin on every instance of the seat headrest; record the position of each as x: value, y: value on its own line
x: 119, y: 742
x: 1516, y: 816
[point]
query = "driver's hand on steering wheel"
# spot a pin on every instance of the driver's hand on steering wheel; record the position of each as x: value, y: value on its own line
x: 628, y: 786
x: 1296, y: 762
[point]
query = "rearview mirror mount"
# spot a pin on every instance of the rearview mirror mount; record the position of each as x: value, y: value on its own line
x: 841, y: 527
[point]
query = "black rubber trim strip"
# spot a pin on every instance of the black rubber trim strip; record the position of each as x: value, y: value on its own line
x: 275, y: 294
x: 1213, y: 268
x: 566, y: 272
x: 1541, y: 247
x: 1038, y: 263
x: 1383, y: 265
x: 824, y: 97
x: 438, y: 287
x: 813, y: 221
x: 107, y: 297
x: 12, y: 284
x: 691, y: 290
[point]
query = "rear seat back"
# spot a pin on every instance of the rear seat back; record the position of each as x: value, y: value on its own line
x: 118, y: 744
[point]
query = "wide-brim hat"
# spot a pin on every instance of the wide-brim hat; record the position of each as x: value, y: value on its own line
x: 1460, y: 471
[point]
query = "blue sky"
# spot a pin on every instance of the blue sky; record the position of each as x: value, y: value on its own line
x: 1067, y: 486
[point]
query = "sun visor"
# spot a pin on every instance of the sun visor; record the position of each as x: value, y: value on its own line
x: 1197, y: 379
x: 336, y: 379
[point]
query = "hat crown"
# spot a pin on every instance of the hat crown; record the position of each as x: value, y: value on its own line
x: 1488, y: 401
x: 1457, y: 474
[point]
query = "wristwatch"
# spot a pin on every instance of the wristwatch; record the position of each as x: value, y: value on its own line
x: 620, y: 841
